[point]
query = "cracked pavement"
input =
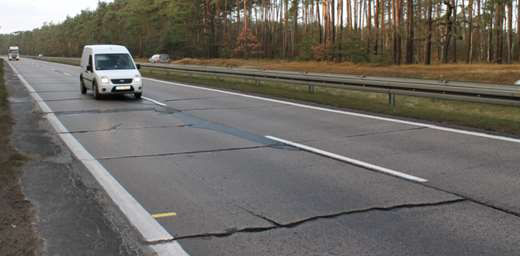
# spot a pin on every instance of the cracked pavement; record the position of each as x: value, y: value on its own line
x: 204, y: 156
x: 311, y: 219
x: 71, y: 215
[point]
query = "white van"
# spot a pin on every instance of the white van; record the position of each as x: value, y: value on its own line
x: 109, y: 69
x: 159, y: 58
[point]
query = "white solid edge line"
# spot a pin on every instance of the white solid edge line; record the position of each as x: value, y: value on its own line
x: 431, y: 126
x: 169, y: 249
x: 350, y: 160
x: 148, y: 227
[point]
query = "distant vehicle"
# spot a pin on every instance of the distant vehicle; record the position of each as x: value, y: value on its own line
x: 13, y: 53
x: 109, y: 69
x: 159, y: 58
x: 40, y: 55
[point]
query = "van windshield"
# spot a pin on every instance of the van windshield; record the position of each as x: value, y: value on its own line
x: 113, y: 61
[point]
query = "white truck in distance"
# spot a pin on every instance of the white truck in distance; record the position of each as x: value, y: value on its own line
x: 13, y: 53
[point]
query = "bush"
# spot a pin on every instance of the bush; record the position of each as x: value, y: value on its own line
x: 305, y: 49
x: 320, y: 52
x: 247, y: 45
x: 352, y: 49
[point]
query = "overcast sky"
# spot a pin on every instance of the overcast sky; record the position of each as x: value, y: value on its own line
x: 16, y: 15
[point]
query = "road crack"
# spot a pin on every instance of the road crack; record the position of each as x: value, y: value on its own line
x: 112, y: 128
x: 106, y: 111
x: 189, y: 99
x: 66, y: 99
x: 385, y: 132
x: 276, y: 225
x: 118, y: 127
x: 188, y: 152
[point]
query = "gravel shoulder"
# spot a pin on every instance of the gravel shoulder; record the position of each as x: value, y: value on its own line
x: 18, y: 234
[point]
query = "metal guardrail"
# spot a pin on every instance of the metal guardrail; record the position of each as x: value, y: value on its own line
x: 463, y: 91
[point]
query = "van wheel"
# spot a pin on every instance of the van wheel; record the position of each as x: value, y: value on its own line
x: 138, y: 95
x: 97, y: 96
x: 82, y: 86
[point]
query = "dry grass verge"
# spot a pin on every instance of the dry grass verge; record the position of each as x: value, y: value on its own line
x: 484, y: 73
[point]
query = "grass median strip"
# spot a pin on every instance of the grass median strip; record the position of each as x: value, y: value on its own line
x: 495, y: 118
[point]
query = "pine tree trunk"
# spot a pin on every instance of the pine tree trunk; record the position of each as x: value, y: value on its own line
x: 469, y: 48
x: 509, y: 31
x: 318, y: 16
x: 448, y: 34
x: 454, y: 24
x: 410, y: 32
x: 295, y: 28
x: 377, y: 19
x: 340, y: 19
x: 349, y: 15
x: 428, y: 50
x: 383, y: 26
x: 518, y: 29
x: 333, y: 21
x: 397, y: 31
x: 285, y: 28
x: 498, y: 35
x: 369, y: 25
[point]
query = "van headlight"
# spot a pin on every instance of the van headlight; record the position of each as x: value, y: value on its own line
x: 105, y: 80
x: 137, y: 79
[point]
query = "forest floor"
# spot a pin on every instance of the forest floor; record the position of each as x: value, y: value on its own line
x: 484, y: 73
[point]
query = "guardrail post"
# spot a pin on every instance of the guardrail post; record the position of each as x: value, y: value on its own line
x: 312, y: 89
x: 391, y: 99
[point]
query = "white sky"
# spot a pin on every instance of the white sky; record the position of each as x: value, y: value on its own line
x: 16, y: 15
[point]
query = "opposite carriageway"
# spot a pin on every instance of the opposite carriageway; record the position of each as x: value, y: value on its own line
x: 450, y: 90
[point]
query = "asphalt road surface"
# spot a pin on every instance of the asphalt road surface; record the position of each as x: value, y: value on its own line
x: 204, y: 155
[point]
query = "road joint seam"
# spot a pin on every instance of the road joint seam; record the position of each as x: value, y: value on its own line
x: 189, y: 152
x: 113, y: 128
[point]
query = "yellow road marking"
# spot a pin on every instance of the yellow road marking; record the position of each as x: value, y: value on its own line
x: 164, y: 215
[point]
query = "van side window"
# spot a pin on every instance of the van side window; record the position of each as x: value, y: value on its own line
x: 90, y: 60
